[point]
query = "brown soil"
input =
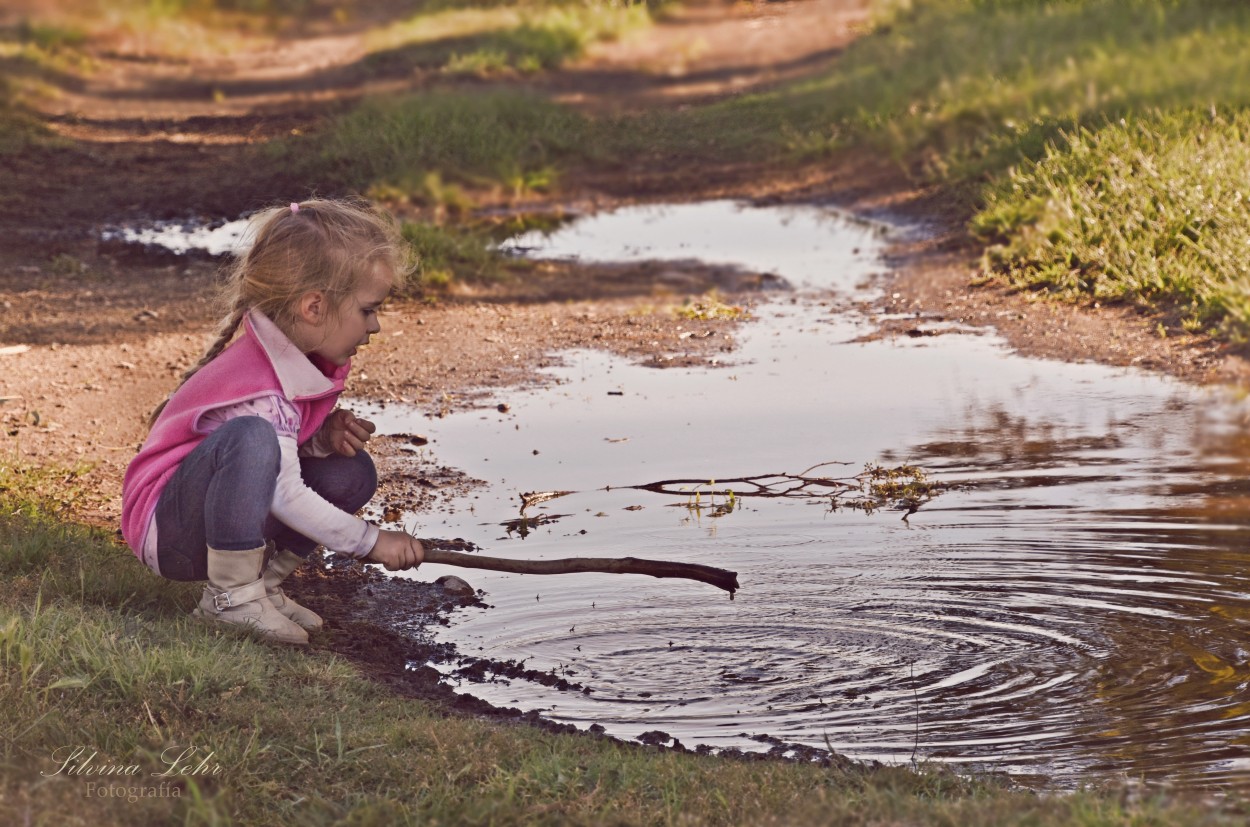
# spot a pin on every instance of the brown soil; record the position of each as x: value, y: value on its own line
x: 91, y: 340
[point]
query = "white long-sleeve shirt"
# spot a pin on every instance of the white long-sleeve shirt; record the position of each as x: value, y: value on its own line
x: 294, y: 503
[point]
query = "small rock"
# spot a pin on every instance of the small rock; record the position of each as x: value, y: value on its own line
x: 454, y: 586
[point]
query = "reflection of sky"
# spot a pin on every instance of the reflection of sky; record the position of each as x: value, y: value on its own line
x: 809, y: 247
x: 183, y: 237
x: 1087, y: 545
x: 795, y: 393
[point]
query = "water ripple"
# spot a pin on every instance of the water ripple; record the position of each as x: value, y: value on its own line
x: 1074, y: 605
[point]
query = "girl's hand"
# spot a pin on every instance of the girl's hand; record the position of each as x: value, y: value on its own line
x: 345, y: 434
x: 397, y: 550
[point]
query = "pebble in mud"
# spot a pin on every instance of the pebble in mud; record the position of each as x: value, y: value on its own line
x: 655, y: 737
x: 454, y: 586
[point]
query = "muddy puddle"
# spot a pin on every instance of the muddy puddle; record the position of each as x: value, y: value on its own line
x: 1074, y: 608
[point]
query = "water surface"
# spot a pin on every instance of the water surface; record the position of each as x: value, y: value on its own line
x: 1076, y: 607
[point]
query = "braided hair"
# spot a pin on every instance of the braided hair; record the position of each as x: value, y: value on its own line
x: 325, y: 245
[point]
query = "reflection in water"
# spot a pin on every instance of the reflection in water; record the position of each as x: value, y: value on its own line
x: 1076, y: 605
x: 1156, y: 595
x: 181, y: 237
x: 523, y: 525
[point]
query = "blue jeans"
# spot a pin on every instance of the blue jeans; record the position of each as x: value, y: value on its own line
x: 221, y: 494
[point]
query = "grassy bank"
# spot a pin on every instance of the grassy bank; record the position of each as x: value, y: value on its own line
x: 1098, y: 145
x: 101, y: 668
x: 1151, y: 209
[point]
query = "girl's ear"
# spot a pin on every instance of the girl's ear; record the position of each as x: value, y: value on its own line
x: 312, y: 307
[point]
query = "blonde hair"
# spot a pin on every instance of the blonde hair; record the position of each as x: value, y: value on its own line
x: 330, y: 246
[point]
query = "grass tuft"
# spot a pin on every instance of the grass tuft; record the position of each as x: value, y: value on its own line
x: 710, y: 306
x: 499, y: 139
x: 1151, y: 210
x: 504, y: 38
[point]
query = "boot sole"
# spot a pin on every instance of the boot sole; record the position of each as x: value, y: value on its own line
x: 215, y: 620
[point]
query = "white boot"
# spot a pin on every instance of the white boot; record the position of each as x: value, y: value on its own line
x: 236, y: 594
x: 280, y: 567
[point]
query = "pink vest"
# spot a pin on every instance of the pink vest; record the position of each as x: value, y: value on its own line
x: 241, y: 372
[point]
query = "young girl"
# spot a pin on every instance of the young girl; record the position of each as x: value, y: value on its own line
x: 249, y: 466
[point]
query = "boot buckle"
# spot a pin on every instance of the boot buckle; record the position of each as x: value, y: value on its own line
x: 238, y: 596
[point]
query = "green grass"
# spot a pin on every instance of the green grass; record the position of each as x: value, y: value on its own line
x: 1101, y: 144
x: 969, y: 87
x: 468, y: 248
x: 1151, y: 210
x: 47, y: 37
x: 960, y: 89
x: 77, y: 28
x: 486, y: 40
x: 1098, y: 145
x: 501, y: 138
x: 33, y: 58
x: 547, y: 38
x: 99, y: 654
x: 1001, y: 81
x: 18, y: 130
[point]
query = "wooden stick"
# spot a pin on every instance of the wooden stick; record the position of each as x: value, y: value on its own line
x: 720, y: 578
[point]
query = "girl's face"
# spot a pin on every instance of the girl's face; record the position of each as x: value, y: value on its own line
x: 355, y: 321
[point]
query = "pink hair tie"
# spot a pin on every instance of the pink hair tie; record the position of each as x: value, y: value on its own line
x: 294, y: 208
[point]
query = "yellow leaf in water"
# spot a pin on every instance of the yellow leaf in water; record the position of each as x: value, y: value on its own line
x: 1232, y: 612
x: 1208, y: 662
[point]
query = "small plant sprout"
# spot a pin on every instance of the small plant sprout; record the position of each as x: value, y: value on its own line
x: 711, y: 307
